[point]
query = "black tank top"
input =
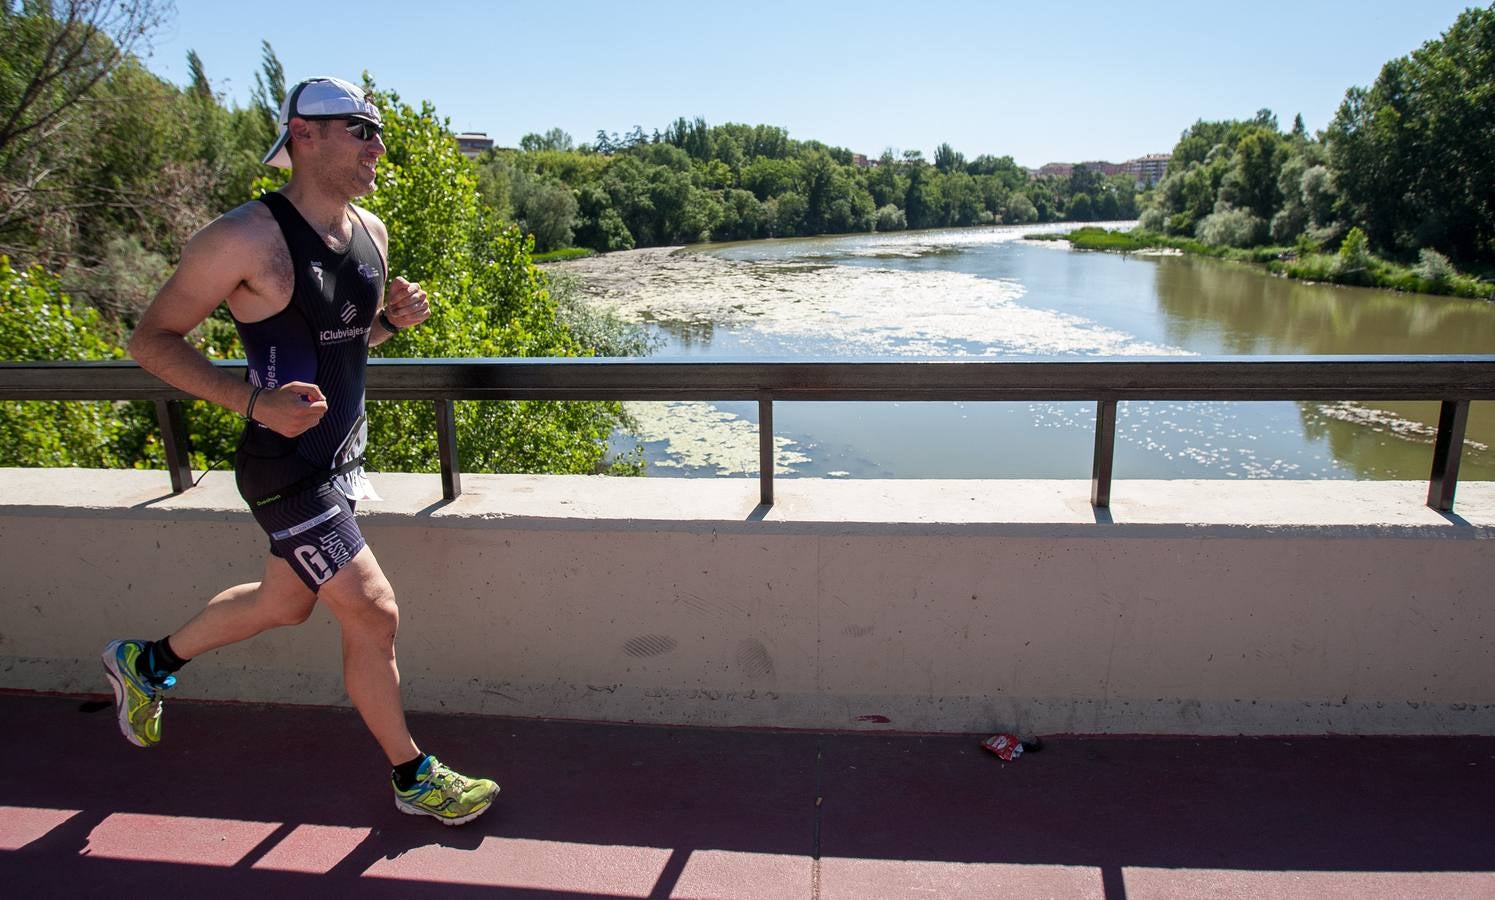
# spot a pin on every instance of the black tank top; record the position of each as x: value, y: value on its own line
x: 321, y: 337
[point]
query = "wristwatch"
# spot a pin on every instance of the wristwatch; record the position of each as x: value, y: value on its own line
x: 389, y: 326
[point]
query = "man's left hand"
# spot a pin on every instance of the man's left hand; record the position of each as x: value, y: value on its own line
x: 405, y: 303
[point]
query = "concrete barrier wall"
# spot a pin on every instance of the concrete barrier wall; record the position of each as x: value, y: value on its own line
x: 1190, y: 608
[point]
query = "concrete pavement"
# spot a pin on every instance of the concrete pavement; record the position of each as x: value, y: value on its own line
x: 251, y: 800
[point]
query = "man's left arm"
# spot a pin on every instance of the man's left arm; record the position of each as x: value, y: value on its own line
x: 405, y: 306
x: 405, y: 302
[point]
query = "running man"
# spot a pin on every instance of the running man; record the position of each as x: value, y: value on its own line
x: 303, y: 271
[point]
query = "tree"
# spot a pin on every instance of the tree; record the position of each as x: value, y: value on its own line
x: 946, y: 159
x: 1080, y: 209
x: 57, y: 52
x: 554, y: 139
x: 1020, y: 210
x: 768, y: 177
x: 1413, y: 155
x: 269, y: 86
x: 38, y: 322
x: 57, y: 55
x: 1254, y: 172
x: 488, y: 300
x: 550, y: 214
x: 1084, y: 180
x: 919, y: 202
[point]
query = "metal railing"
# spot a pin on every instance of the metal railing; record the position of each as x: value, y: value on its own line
x: 1454, y: 381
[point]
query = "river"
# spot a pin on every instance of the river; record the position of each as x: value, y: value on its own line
x: 987, y: 293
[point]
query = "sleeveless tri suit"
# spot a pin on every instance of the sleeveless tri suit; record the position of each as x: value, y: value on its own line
x: 302, y: 490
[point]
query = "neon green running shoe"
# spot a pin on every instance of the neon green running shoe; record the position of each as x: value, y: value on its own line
x: 445, y: 795
x: 137, y: 702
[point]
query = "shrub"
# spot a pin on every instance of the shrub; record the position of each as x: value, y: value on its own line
x: 1434, y: 266
x: 891, y: 218
x: 1232, y: 227
x: 1153, y: 220
x: 38, y: 322
x: 1352, y: 263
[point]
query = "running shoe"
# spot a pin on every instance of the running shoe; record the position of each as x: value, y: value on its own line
x: 137, y: 702
x: 445, y: 795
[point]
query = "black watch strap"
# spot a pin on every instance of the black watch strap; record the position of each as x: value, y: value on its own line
x: 389, y: 326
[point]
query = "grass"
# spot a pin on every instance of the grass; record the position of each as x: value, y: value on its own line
x: 564, y: 254
x: 1285, y: 261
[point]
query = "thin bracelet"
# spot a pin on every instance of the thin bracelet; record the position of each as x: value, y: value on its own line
x: 249, y: 410
x: 388, y: 325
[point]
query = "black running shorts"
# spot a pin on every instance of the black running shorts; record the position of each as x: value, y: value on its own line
x: 312, y: 528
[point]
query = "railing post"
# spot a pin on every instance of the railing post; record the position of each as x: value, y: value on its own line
x: 1447, y: 450
x: 1105, y: 453
x: 765, y: 450
x: 446, y: 446
x: 174, y: 440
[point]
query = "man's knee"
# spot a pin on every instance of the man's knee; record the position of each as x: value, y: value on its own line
x: 365, y: 601
x: 289, y: 612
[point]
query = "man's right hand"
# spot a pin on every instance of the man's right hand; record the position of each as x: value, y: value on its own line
x: 291, y: 408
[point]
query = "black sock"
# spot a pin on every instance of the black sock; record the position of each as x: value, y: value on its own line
x: 158, y: 661
x: 404, y: 773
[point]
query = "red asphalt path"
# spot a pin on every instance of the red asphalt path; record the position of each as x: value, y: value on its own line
x: 260, y: 801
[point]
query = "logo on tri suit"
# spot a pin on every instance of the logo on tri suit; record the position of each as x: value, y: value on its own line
x: 313, y: 562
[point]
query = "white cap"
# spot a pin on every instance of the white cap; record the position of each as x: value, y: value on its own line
x: 323, y: 97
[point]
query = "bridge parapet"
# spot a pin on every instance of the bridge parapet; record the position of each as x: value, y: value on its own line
x: 1185, y: 607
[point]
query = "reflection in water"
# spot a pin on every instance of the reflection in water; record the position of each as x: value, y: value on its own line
x: 1247, y: 313
x: 689, y: 335
x: 1392, y: 442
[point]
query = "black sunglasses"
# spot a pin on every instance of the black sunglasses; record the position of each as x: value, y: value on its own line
x: 363, y: 129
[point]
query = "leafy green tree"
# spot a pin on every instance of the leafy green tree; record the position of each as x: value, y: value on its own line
x: 1080, y: 208
x: 548, y: 210
x: 56, y: 57
x: 742, y: 217
x: 788, y: 214
x: 488, y: 299
x: 884, y: 182
x: 627, y: 185
x: 1254, y: 172
x: 39, y: 322
x: 1231, y: 226
x: 1413, y: 156
x: 890, y: 218
x: 769, y: 177
x: 1352, y: 262
x: 1107, y: 205
x: 598, y: 224
x: 269, y: 85
x: 961, y: 200
x: 920, y: 201
x: 947, y: 160
x: 1084, y: 180
x: 1020, y: 210
x: 554, y: 139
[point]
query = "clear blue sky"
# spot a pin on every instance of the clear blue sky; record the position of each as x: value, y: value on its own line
x: 1040, y: 81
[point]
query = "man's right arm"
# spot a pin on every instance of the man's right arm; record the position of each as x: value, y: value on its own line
x: 215, y: 263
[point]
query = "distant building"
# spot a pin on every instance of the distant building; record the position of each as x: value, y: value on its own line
x: 1149, y: 169
x: 1105, y: 168
x: 861, y: 161
x: 471, y: 143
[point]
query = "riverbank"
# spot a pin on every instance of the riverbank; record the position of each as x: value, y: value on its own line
x: 1368, y: 271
